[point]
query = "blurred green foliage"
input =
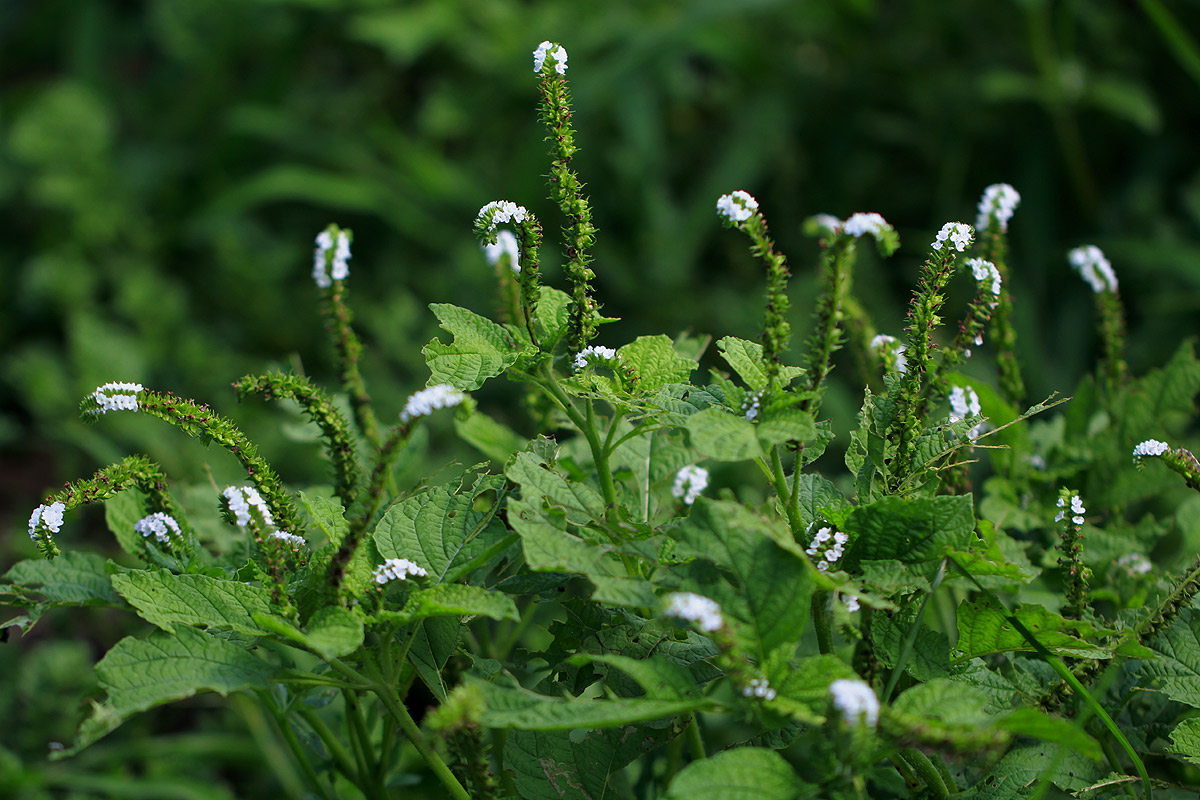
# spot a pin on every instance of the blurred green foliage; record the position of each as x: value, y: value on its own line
x: 165, y: 165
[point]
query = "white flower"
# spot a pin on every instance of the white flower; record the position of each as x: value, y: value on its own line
x: 694, y: 608
x: 690, y: 481
x: 1136, y: 563
x: 829, y: 222
x: 341, y: 258
x: 502, y: 211
x: 985, y: 270
x: 396, y: 569
x: 851, y: 601
x: 893, y: 357
x: 959, y: 234
x: 46, y: 516
x: 241, y: 499
x: 606, y: 354
x: 752, y: 405
x: 116, y: 397
x: 426, y: 401
x: 1094, y: 268
x: 505, y: 245
x: 1077, y: 510
x: 856, y: 702
x: 1150, y: 447
x: 289, y: 538
x: 866, y: 223
x: 1000, y: 201
x: 760, y: 688
x: 559, y: 55
x: 158, y: 525
x: 828, y: 546
x: 737, y: 207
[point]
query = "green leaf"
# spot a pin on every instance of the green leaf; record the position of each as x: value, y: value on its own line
x: 560, y: 765
x: 454, y: 600
x: 1177, y: 667
x: 1023, y: 767
x: 802, y: 687
x: 140, y: 674
x: 788, y: 425
x: 121, y: 513
x: 521, y: 708
x: 553, y: 312
x: 948, y: 701
x: 745, y: 773
x: 930, y: 655
x: 722, y: 435
x: 582, y: 503
x: 441, y: 529
x: 984, y: 629
x: 166, y: 600
x: 328, y: 515
x: 481, y: 349
x: 659, y: 678
x: 73, y: 579
x: 494, y: 439
x: 1185, y: 740
x: 434, y: 641
x: 766, y: 588
x: 815, y: 494
x: 746, y: 359
x: 655, y: 363
x: 914, y: 531
x: 332, y: 632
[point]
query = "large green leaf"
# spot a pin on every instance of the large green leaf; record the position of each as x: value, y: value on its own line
x: 582, y: 503
x: 454, y: 600
x: 441, y: 529
x: 746, y: 359
x: 520, y: 708
x: 655, y: 363
x: 328, y: 514
x: 745, y: 773
x: 143, y: 673
x: 166, y: 600
x: 1185, y: 740
x: 984, y: 629
x: 73, y: 579
x: 765, y: 587
x: 332, y: 632
x: 930, y: 654
x: 721, y: 435
x: 561, y: 765
x: 1177, y: 667
x: 802, y: 687
x: 659, y: 678
x: 481, y: 349
x: 494, y: 439
x: 913, y: 531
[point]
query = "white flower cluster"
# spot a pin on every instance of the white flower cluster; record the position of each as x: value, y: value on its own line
x: 1000, y: 201
x: 241, y: 499
x: 965, y: 403
x: 116, y: 397
x: 1094, y: 268
x: 506, y: 211
x: 861, y: 224
x: 1150, y: 447
x: 158, y: 525
x: 737, y: 207
x: 396, y: 569
x: 893, y: 356
x: 960, y: 235
x: 290, y: 539
x: 855, y: 701
x: 1077, y: 510
x: 505, y: 245
x: 694, y: 608
x: 760, y: 688
x: 985, y: 270
x: 47, y: 516
x: 690, y: 481
x: 426, y: 401
x: 752, y: 405
x: 827, y: 547
x: 340, y: 269
x: 605, y: 354
x: 851, y: 601
x: 1136, y: 563
x: 559, y: 55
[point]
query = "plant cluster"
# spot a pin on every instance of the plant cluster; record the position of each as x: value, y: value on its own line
x: 615, y: 607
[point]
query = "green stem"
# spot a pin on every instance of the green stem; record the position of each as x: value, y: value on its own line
x: 409, y: 728
x: 550, y: 385
x: 822, y: 621
x: 779, y: 483
x: 301, y: 758
x: 332, y: 743
x: 694, y: 740
x: 930, y: 775
x: 911, y: 637
x: 359, y: 739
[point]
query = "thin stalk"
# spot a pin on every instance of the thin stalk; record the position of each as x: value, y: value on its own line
x: 822, y: 621
x: 409, y: 727
x: 514, y: 635
x: 694, y: 740
x: 336, y: 749
x: 930, y: 775
x: 911, y: 637
x: 294, y: 745
x: 359, y: 739
x: 779, y: 482
x: 600, y: 458
x: 499, y: 735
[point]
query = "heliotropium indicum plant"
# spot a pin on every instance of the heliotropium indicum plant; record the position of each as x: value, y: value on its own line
x: 665, y: 594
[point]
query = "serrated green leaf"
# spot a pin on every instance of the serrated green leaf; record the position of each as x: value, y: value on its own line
x: 167, y: 600
x: 803, y: 686
x: 655, y: 363
x: 434, y: 641
x: 74, y: 578
x: 744, y: 773
x: 440, y: 528
x: 659, y: 678
x: 766, y: 588
x: 328, y: 515
x: 1185, y: 740
x: 1177, y: 667
x: 947, y: 701
x: 481, y: 349
x: 788, y: 425
x: 1023, y: 767
x: 930, y: 654
x: 332, y: 632
x: 983, y: 629
x: 723, y: 436
x: 121, y: 513
x: 816, y: 493
x: 582, y: 503
x: 140, y: 674
x: 553, y: 312
x: 910, y: 530
x: 454, y: 600
x: 558, y: 765
x: 746, y: 359
x: 526, y: 710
